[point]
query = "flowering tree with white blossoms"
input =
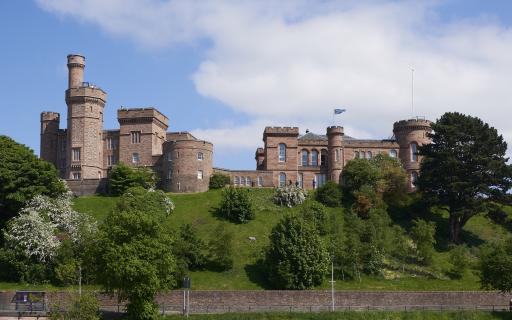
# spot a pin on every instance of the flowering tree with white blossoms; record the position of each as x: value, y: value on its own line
x: 289, y: 196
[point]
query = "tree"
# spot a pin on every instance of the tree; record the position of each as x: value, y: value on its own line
x: 190, y: 250
x: 496, y: 266
x: 464, y: 168
x: 80, y: 307
x: 235, y: 205
x: 296, y: 257
x: 23, y: 176
x: 393, y: 179
x: 459, y: 259
x: 135, y: 259
x: 218, y: 181
x: 360, y: 172
x: 422, y: 233
x: 123, y: 177
x: 289, y: 196
x: 221, y: 249
x: 329, y: 194
x: 316, y: 214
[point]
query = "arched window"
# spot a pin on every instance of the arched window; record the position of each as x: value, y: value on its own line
x: 369, y: 155
x: 414, y: 152
x: 282, y: 179
x: 414, y: 178
x: 236, y: 181
x: 305, y: 158
x: 392, y: 153
x: 363, y: 154
x: 314, y: 158
x: 356, y: 155
x: 282, y: 152
x: 323, y: 158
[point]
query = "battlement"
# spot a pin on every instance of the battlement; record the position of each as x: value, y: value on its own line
x: 412, y: 124
x: 77, y: 59
x: 50, y: 116
x: 260, y: 151
x: 334, y: 130
x: 149, y: 114
x: 280, y: 131
x: 86, y: 91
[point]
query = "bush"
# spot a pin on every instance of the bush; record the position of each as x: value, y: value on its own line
x: 221, y: 249
x: 316, y: 214
x: 189, y: 249
x: 289, y: 196
x: 123, y: 177
x: 365, y: 199
x: 496, y: 266
x: 84, y: 307
x: 423, y: 234
x: 218, y: 181
x: 235, y: 205
x: 459, y: 259
x: 329, y: 194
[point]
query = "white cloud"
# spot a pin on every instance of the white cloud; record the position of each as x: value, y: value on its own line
x: 294, y: 61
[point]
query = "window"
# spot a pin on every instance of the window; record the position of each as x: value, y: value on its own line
x: 323, y: 158
x: 414, y: 152
x: 336, y: 155
x: 282, y: 179
x: 300, y: 180
x: 362, y: 154
x: 242, y: 181
x: 356, y: 155
x: 314, y: 158
x: 248, y: 181
x: 75, y: 175
x: 282, y: 152
x: 135, y: 158
x: 369, y: 155
x: 169, y: 174
x: 177, y: 154
x: 320, y: 179
x: 135, y: 136
x: 76, y: 154
x: 199, y: 174
x: 260, y: 181
x: 111, y: 143
x: 200, y: 156
x: 393, y: 153
x: 414, y: 178
x: 169, y: 156
x: 111, y: 160
x: 236, y: 180
x: 305, y: 157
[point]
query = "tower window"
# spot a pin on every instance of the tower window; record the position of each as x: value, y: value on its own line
x: 414, y: 179
x: 200, y: 156
x: 111, y: 160
x: 282, y: 152
x: 169, y: 174
x: 336, y: 155
x: 76, y: 154
x: 135, y: 158
x: 414, y: 152
x: 199, y: 174
x: 393, y: 153
x: 282, y: 179
x: 135, y: 135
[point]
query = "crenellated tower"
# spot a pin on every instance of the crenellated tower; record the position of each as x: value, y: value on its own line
x: 84, y: 159
x: 410, y: 135
x: 50, y: 122
x: 335, y: 151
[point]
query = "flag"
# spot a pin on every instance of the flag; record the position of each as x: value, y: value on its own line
x: 339, y: 111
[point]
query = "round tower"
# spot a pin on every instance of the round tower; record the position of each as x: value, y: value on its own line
x: 85, y: 124
x: 76, y: 65
x: 410, y: 135
x: 49, y: 130
x: 334, y: 144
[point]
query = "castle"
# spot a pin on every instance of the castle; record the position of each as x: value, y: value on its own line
x: 84, y: 152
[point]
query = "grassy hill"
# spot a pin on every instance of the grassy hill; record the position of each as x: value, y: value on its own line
x: 198, y: 210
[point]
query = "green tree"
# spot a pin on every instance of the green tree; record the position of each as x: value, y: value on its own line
x: 329, y: 194
x: 235, y: 205
x: 393, y: 179
x: 80, y: 307
x: 496, y: 266
x: 464, y: 168
x: 360, y: 172
x: 123, y: 177
x: 316, y: 214
x: 23, y: 176
x: 296, y: 257
x: 135, y: 259
x: 423, y: 235
x: 221, y: 249
x: 459, y: 258
x: 189, y: 249
x: 218, y: 181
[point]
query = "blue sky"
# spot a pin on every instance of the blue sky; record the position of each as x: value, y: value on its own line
x: 225, y: 69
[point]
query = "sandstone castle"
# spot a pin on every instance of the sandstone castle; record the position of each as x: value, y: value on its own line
x: 84, y: 152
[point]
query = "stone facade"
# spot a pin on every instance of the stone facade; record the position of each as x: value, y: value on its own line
x: 84, y: 152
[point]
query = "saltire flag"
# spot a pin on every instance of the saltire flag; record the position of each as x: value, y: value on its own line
x: 339, y: 111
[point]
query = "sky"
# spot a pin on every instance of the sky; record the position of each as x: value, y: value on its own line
x: 224, y: 69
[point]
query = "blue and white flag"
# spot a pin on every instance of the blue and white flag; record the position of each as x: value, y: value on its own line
x: 339, y: 111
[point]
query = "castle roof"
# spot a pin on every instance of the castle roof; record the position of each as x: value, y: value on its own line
x: 313, y: 136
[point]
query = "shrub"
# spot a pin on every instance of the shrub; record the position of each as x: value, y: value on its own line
x: 123, y: 177
x: 235, y: 205
x: 218, y: 181
x: 365, y: 199
x: 83, y: 307
x: 496, y: 266
x: 423, y: 234
x: 289, y: 196
x: 221, y: 249
x: 189, y: 249
x: 329, y: 194
x: 316, y: 214
x: 459, y: 259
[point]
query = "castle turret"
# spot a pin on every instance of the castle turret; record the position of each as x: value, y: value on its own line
x: 85, y: 124
x: 334, y: 143
x: 411, y: 134
x: 281, y: 154
x: 260, y: 158
x: 49, y: 136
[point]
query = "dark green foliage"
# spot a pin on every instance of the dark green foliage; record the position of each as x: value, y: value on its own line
x: 189, y: 249
x: 221, y: 249
x: 423, y: 235
x: 330, y: 194
x: 459, y: 258
x: 316, y: 214
x: 15, y: 267
x: 235, y: 205
x: 393, y: 179
x: 464, y: 168
x: 80, y: 307
x: 360, y: 172
x: 123, y: 177
x: 218, y: 181
x: 365, y: 199
x: 135, y: 259
x: 22, y: 176
x: 296, y: 257
x: 496, y: 266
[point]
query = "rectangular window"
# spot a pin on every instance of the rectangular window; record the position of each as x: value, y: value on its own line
x: 337, y: 155
x: 169, y: 174
x: 260, y: 181
x: 248, y: 182
x: 236, y: 180
x: 169, y: 156
x: 282, y: 152
x: 135, y: 158
x: 135, y: 135
x: 199, y: 174
x: 320, y: 179
x: 200, y: 156
x: 75, y: 175
x: 301, y: 180
x: 76, y: 154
